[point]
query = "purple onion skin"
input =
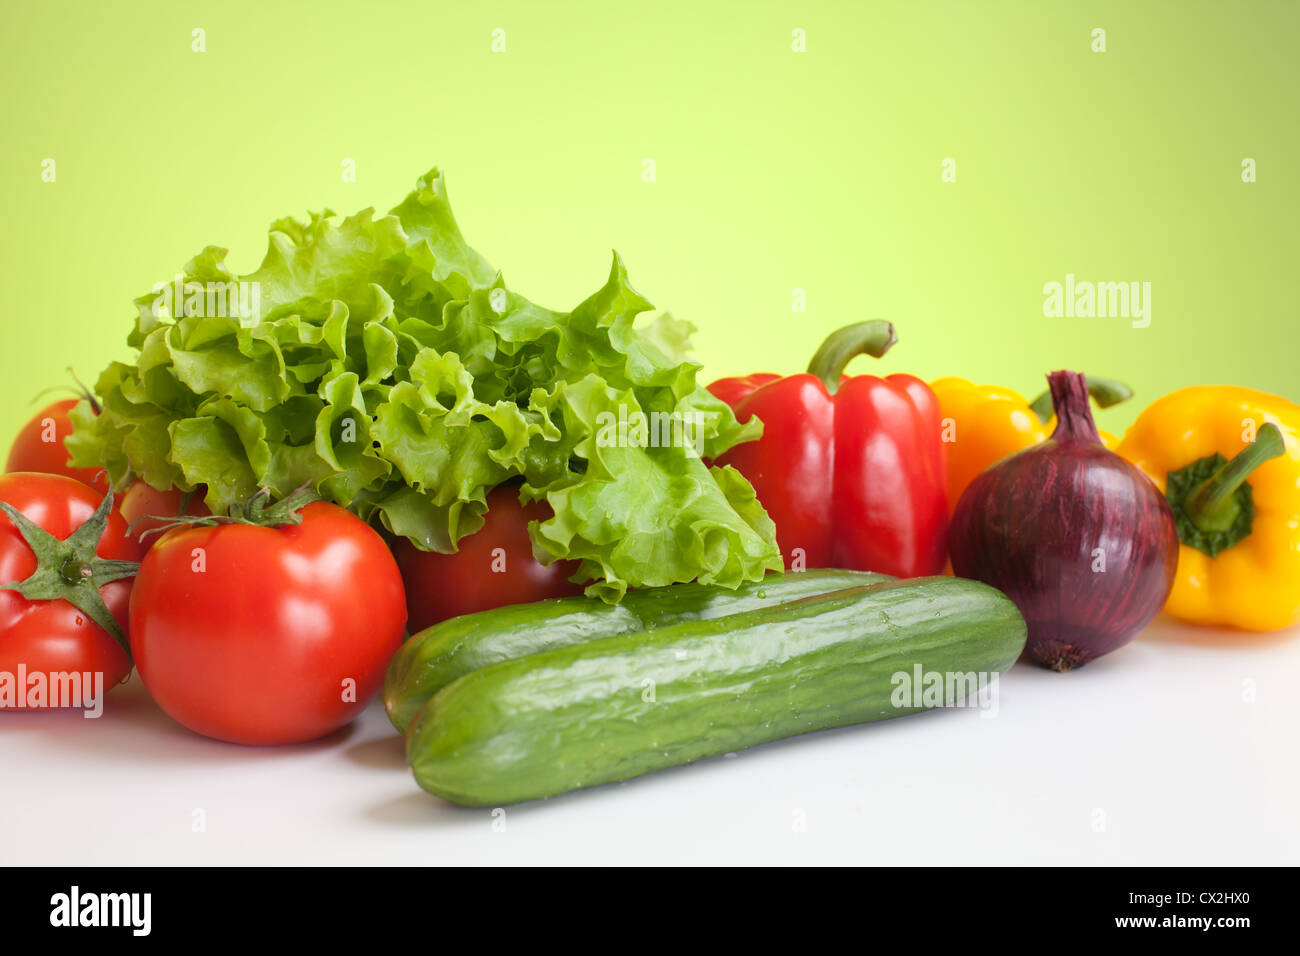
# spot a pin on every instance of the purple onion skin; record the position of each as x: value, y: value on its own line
x: 1030, y: 526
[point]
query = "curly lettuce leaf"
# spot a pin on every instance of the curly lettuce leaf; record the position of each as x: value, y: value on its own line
x: 706, y: 522
x: 383, y: 361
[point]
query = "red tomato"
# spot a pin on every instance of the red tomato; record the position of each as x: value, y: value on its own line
x: 494, y: 567
x: 39, y: 447
x: 53, y: 637
x: 143, y: 501
x: 259, y: 635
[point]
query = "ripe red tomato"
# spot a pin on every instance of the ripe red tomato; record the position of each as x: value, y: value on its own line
x: 51, y: 636
x: 142, y: 501
x: 262, y: 635
x: 39, y: 447
x: 494, y: 567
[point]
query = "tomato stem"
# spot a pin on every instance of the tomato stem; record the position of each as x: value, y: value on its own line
x: 86, y: 393
x: 69, y: 570
x: 81, y: 390
x: 74, y: 570
x: 257, y: 510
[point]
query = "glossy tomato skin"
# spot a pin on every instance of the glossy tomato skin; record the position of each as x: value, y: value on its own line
x: 31, y: 452
x: 251, y: 634
x: 53, y: 636
x: 441, y: 586
x: 142, y: 501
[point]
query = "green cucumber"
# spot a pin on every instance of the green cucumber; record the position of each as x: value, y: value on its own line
x: 438, y: 655
x: 618, y: 707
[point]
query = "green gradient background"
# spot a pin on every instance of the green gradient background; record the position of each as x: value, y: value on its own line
x: 775, y: 170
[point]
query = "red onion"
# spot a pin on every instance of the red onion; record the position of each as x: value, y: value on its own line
x: 1079, y: 539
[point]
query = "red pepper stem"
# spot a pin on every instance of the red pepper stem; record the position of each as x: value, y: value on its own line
x: 873, y: 337
x: 1213, y: 504
x: 1073, y: 414
x: 1104, y: 391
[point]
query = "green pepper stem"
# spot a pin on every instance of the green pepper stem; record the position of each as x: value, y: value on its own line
x: 1212, y: 505
x: 1104, y: 391
x: 873, y: 337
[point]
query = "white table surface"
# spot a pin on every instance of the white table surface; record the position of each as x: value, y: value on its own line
x: 1183, y: 748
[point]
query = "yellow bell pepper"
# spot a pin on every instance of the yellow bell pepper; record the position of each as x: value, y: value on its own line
x: 982, y: 424
x: 1228, y: 460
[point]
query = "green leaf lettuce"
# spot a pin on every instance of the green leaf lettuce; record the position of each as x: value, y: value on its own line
x: 384, y: 362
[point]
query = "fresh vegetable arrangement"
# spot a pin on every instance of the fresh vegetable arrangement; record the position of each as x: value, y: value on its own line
x: 382, y: 439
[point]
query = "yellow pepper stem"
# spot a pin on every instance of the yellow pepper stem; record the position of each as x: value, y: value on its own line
x: 1214, y: 505
x: 1104, y: 391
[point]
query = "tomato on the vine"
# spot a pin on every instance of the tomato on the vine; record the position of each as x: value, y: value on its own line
x: 39, y: 447
x: 271, y: 633
x: 65, y: 564
x: 493, y: 567
x: 144, y: 509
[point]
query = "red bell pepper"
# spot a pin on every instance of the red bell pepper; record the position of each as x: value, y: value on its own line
x: 853, y: 470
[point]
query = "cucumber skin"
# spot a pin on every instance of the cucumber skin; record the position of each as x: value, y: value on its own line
x: 438, y: 655
x: 574, y: 717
